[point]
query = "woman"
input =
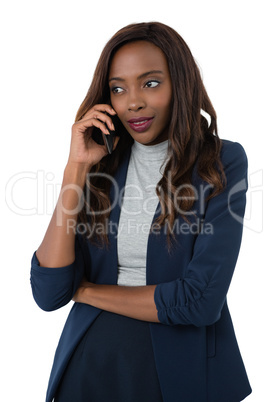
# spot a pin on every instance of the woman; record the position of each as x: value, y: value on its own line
x: 145, y: 239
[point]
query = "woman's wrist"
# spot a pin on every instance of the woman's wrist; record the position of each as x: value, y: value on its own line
x: 75, y: 173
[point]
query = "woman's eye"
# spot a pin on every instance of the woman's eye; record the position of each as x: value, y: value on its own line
x: 152, y: 84
x: 116, y: 90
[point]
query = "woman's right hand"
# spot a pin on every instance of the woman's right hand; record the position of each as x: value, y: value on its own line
x: 84, y: 150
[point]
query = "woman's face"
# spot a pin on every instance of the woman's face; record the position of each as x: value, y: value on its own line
x: 141, y: 91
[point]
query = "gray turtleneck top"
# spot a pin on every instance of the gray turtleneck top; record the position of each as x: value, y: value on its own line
x: 137, y: 211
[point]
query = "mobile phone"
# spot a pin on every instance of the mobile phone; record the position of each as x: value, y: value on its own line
x: 108, y: 140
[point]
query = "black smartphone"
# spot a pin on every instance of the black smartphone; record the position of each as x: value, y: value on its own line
x: 108, y: 140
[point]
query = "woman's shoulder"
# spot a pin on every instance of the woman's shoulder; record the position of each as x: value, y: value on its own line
x: 232, y: 152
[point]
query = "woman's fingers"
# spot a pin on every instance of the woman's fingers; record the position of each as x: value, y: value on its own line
x: 83, y: 147
x: 103, y: 118
x: 99, y: 112
x: 81, y: 126
x: 103, y: 108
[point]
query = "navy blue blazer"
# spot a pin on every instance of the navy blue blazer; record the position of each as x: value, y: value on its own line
x: 195, y: 348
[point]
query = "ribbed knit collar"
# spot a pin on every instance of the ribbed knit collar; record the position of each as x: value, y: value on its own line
x: 150, y: 152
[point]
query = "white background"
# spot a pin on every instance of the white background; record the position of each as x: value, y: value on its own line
x: 49, y: 51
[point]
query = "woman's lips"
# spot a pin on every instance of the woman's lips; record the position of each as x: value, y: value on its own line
x: 140, y: 124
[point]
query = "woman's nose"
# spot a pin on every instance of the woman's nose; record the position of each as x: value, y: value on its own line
x: 136, y: 101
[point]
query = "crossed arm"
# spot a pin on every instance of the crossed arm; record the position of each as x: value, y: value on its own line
x: 134, y: 302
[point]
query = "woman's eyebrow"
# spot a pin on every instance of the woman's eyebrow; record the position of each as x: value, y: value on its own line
x: 139, y: 77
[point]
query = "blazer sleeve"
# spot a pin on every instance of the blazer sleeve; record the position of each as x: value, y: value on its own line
x: 53, y: 288
x: 198, y: 297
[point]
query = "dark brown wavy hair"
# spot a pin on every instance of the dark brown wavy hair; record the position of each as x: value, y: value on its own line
x: 192, y: 140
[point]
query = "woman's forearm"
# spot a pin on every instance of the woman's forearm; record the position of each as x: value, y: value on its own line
x: 131, y: 301
x: 57, y: 247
